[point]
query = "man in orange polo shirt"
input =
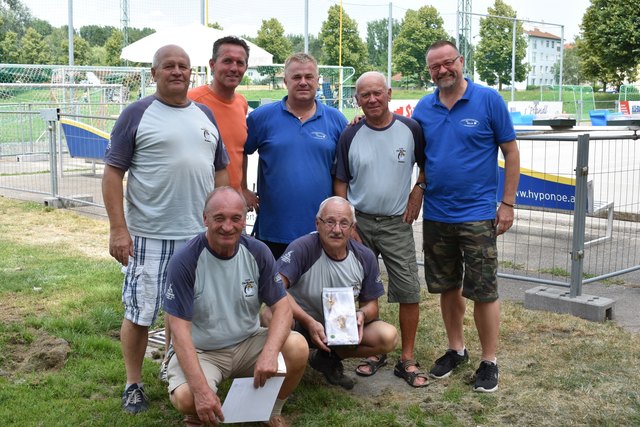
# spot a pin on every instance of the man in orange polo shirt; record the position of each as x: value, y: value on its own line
x: 228, y: 64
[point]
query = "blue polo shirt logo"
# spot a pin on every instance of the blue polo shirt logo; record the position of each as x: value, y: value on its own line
x: 469, y: 123
x: 319, y: 135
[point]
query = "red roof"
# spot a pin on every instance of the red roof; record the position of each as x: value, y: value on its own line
x: 541, y: 34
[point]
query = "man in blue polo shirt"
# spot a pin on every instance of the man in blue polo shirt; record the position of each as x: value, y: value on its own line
x: 464, y: 125
x: 296, y: 142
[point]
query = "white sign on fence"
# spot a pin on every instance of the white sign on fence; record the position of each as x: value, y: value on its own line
x: 403, y: 107
x: 537, y: 108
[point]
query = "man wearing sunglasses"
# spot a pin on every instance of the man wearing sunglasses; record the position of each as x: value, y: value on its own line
x: 464, y: 125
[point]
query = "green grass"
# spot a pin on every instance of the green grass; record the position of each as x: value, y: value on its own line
x: 555, y: 369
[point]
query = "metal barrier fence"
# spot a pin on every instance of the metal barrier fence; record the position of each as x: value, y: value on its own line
x: 599, y: 238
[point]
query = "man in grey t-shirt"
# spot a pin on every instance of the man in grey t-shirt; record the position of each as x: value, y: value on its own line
x: 172, y: 151
x: 329, y: 258
x: 373, y: 170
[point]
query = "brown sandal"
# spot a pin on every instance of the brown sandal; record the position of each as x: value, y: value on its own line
x: 373, y: 364
x: 400, y: 370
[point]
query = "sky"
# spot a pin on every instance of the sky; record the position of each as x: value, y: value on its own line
x: 245, y: 18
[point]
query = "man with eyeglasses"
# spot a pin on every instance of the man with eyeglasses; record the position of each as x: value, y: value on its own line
x: 329, y: 258
x: 464, y: 125
x: 373, y: 170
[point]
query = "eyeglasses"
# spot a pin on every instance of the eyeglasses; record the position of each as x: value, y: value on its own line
x: 330, y: 223
x: 446, y: 64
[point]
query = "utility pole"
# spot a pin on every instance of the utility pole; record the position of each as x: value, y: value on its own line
x: 124, y: 21
x: 463, y: 36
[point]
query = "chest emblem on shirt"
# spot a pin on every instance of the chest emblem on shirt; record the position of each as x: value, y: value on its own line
x: 469, y: 123
x: 356, y: 289
x: 402, y: 154
x: 208, y: 136
x: 248, y: 288
x: 319, y: 135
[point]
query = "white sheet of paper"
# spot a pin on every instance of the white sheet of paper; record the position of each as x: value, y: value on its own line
x: 244, y: 403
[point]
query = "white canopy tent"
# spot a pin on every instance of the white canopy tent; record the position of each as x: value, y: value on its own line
x: 196, y: 39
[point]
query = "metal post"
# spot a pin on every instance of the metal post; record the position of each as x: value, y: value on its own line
x: 51, y: 116
x: 340, y: 89
x: 561, y: 59
x: 389, y: 42
x: 579, y: 215
x: 306, y: 26
x: 70, y: 30
x: 29, y: 105
x: 143, y: 85
x: 513, y: 61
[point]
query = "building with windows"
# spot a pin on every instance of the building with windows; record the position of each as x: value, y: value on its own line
x: 543, y: 53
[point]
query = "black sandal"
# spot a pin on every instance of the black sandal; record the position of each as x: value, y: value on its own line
x: 373, y: 364
x: 400, y: 370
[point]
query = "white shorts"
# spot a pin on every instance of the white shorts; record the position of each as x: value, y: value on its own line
x: 145, y: 278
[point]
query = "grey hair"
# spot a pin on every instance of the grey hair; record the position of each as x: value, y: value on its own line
x: 340, y: 200
x: 376, y: 74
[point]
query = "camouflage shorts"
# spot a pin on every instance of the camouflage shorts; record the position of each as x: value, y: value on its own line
x: 462, y: 254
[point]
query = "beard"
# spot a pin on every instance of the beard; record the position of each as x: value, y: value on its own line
x: 447, y: 81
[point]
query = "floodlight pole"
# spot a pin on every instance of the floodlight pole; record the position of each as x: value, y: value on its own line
x: 513, y: 61
x: 306, y: 26
x: 389, y: 42
x: 70, y: 30
x: 340, y: 75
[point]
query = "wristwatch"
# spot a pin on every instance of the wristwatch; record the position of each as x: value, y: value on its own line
x: 422, y: 185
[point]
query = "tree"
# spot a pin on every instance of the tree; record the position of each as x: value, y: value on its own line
x: 113, y: 48
x: 58, y: 42
x: 96, y: 35
x: 610, y: 45
x: 215, y: 25
x: 271, y: 38
x: 419, y: 29
x: 354, y: 51
x: 297, y: 44
x: 9, y: 51
x: 98, y: 55
x: 135, y: 34
x: 571, y: 67
x: 378, y: 41
x: 54, y: 42
x: 42, y: 27
x: 271, y: 72
x: 15, y: 17
x: 33, y: 48
x: 81, y: 51
x: 493, y: 56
